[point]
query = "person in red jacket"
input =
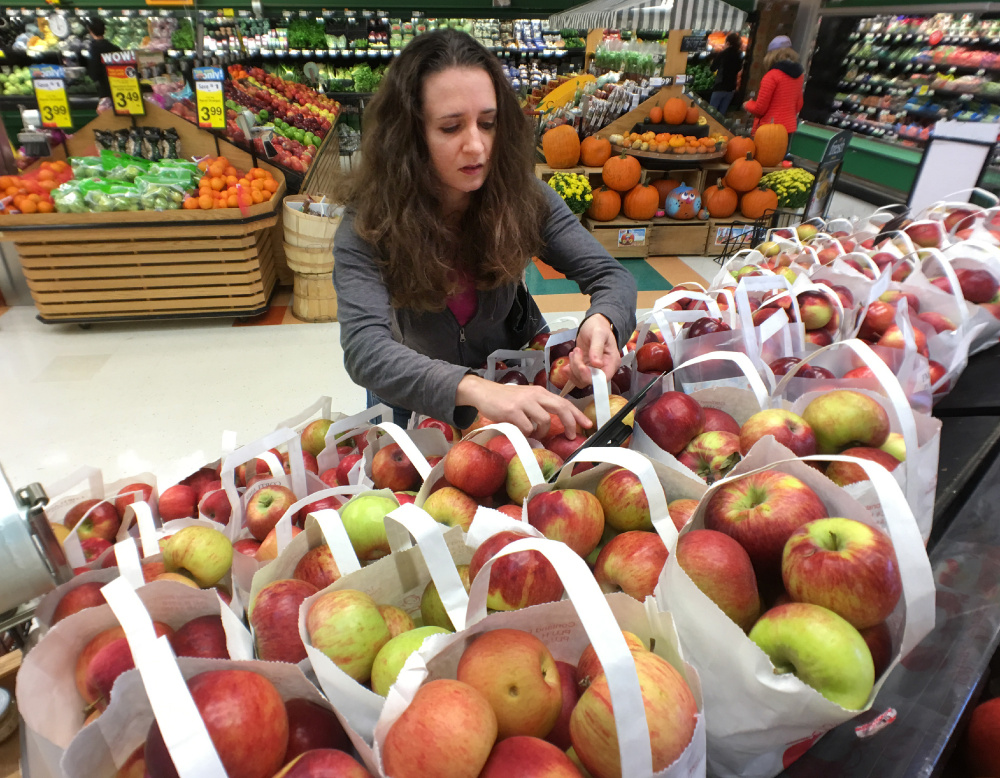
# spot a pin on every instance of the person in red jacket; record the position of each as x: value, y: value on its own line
x: 780, y: 94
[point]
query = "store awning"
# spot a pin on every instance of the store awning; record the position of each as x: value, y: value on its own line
x: 651, y: 15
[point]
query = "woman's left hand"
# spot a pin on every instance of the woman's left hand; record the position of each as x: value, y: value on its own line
x: 596, y: 346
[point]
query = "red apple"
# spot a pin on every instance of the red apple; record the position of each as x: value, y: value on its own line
x: 216, y: 506
x: 516, y: 580
x: 878, y: 638
x: 86, y: 595
x: 308, y: 461
x: 344, y: 467
x: 572, y: 516
x: 979, y: 744
x: 475, y: 469
x: 517, y: 483
x: 100, y: 519
x: 927, y: 235
x: 631, y: 562
x: 711, y: 454
x: 203, y: 637
x: 844, y: 473
x: 392, y: 469
x: 559, y: 734
x: 247, y: 547
x: 451, y: 434
x: 893, y: 338
x: 313, y: 436
x: 816, y: 309
x: 528, y: 757
x: 589, y: 667
x: 623, y: 500
x: 178, y: 502
x: 317, y: 567
x: 93, y: 547
x: 501, y: 445
x: 681, y: 511
x: 312, y: 726
x: 451, y: 507
x: 719, y: 421
x: 562, y: 446
x: 331, y: 502
x: 654, y: 358
x: 705, y: 326
x: 137, y: 492
x: 721, y: 568
x: 879, y: 317
x: 266, y: 507
x: 560, y: 373
x: 274, y: 616
x: 323, y: 762
x: 978, y: 286
x: 329, y: 477
x: 787, y: 428
x: 672, y: 420
x: 893, y: 296
x: 937, y: 321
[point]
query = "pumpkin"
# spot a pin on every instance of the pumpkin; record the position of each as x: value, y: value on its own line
x: 621, y: 173
x: 757, y: 202
x: 594, y: 151
x: 674, y: 111
x: 738, y: 148
x: 744, y: 174
x: 641, y: 203
x: 561, y: 147
x: 772, y: 143
x: 691, y: 116
x: 664, y: 186
x: 605, y: 206
x: 656, y: 115
x: 720, y: 201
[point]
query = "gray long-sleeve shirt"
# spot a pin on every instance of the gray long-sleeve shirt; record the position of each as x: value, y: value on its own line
x: 415, y: 359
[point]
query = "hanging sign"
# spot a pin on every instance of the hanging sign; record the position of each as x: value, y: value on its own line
x: 50, y: 91
x: 124, y: 83
x: 208, y: 90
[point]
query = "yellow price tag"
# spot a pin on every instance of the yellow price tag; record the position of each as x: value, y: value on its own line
x: 125, y: 96
x: 52, y: 103
x: 211, y: 109
x: 228, y: 12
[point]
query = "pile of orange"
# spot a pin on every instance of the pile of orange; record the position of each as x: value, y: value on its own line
x: 30, y: 192
x: 223, y: 186
x: 665, y: 143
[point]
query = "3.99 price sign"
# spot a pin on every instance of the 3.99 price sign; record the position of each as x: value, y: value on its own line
x: 124, y: 83
x: 208, y: 90
x: 50, y: 91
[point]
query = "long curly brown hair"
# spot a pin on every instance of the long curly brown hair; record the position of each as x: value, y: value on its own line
x: 394, y: 192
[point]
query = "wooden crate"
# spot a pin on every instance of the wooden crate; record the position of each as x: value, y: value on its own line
x: 672, y: 237
x: 719, y: 229
x: 693, y: 177
x: 622, y: 238
x: 134, y: 265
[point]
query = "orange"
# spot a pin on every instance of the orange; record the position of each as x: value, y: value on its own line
x: 205, y: 202
x: 218, y: 184
x: 35, y: 198
x: 191, y: 203
x: 48, y: 186
x: 231, y: 179
x: 256, y: 184
x: 271, y: 185
x: 45, y: 207
x: 46, y: 175
x: 12, y: 191
x: 256, y: 196
x: 28, y: 206
x: 203, y: 165
x: 232, y: 201
x: 258, y: 173
x: 267, y: 195
x: 6, y: 182
x: 60, y: 166
x: 232, y: 172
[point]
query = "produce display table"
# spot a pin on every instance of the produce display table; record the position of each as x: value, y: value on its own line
x: 975, y: 394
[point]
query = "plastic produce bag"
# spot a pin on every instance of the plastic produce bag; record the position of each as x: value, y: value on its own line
x: 159, y: 193
x: 86, y: 167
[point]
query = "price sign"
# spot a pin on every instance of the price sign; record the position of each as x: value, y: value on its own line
x: 50, y: 91
x: 208, y: 90
x: 122, y: 78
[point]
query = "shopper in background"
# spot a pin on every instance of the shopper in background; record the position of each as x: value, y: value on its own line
x: 727, y: 66
x: 99, y: 46
x: 780, y: 94
x: 443, y: 217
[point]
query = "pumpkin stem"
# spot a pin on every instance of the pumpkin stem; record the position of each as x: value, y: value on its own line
x: 750, y: 155
x: 720, y: 184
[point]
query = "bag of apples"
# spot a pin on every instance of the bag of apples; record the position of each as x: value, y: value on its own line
x: 315, y: 435
x: 451, y: 711
x: 358, y: 630
x: 794, y: 601
x: 66, y: 679
x: 977, y: 271
x: 522, y: 368
x: 205, y: 718
x: 401, y: 460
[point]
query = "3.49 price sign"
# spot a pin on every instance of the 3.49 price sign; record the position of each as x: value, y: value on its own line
x: 208, y: 90
x: 124, y: 83
x: 50, y: 91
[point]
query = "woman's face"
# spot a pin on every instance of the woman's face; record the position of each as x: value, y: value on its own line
x: 460, y: 113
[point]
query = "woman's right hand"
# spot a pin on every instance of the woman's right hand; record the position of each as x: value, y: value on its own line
x: 526, y: 407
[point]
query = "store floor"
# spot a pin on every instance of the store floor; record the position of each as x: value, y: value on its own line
x: 157, y: 397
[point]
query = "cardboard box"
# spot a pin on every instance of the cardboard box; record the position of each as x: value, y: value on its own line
x: 622, y: 238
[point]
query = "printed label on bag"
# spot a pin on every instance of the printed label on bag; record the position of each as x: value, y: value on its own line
x: 633, y: 236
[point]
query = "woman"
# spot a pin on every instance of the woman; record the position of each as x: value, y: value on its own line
x: 443, y: 215
x: 727, y: 67
x: 780, y: 95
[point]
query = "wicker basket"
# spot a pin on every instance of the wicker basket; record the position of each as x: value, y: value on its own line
x: 313, y: 296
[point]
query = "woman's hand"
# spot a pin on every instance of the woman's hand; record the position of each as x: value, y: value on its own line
x: 596, y: 346
x: 526, y: 407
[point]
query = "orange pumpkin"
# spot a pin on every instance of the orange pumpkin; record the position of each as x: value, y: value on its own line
x: 605, y: 206
x: 594, y: 151
x: 561, y: 147
x: 641, y: 203
x: 772, y: 143
x: 757, y: 202
x: 691, y: 117
x: 621, y: 173
x: 656, y: 115
x: 665, y: 186
x: 720, y: 201
x: 744, y: 174
x: 738, y: 148
x: 674, y: 111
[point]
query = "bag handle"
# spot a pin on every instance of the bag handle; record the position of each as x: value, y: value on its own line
x: 955, y: 288
x: 283, y: 529
x: 399, y: 436
x: 605, y: 635
x: 148, y: 534
x: 743, y: 362
x: 322, y: 407
x: 129, y: 566
x: 92, y: 475
x: 521, y: 448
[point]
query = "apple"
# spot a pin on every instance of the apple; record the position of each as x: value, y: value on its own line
x: 844, y: 473
x: 722, y: 569
x: 706, y: 325
x: 137, y: 492
x: 517, y: 675
x: 205, y: 553
x: 760, y: 511
x: 845, y: 295
x: 476, y: 470
x: 572, y: 516
x: 517, y: 483
x: 451, y: 507
x: 979, y: 743
x: 312, y: 726
x: 516, y: 580
x: 719, y: 421
x: 978, y: 286
x: 926, y: 235
x: 266, y: 507
x: 878, y: 638
x: 621, y: 381
x: 631, y: 562
x: 711, y: 454
x: 879, y: 317
x: 672, y: 420
x: 783, y: 365
x: 329, y: 477
x: 111, y: 661
x: 823, y: 651
x: 313, y: 436
x: 787, y: 428
x: 819, y: 338
x: 99, y: 519
x: 681, y: 511
x: 247, y: 547
x: 93, y: 548
x: 805, y: 232
x: 203, y: 636
x: 654, y: 358
x: 308, y: 461
x: 451, y: 433
x: 893, y: 338
x: 501, y: 445
x: 330, y: 502
x: 347, y: 627
x: 537, y: 342
x: 515, y: 377
x: 937, y: 321
x: 89, y: 651
x: 274, y: 616
x: 589, y: 667
x: 528, y: 757
x: 344, y: 466
x: 763, y: 314
x: 623, y: 501
x: 560, y: 373
x: 111, y: 664
x: 895, y: 445
x: 615, y: 402
x: 393, y: 655
x: 235, y: 705
x: 215, y: 505
x: 405, y: 497
x: 178, y: 502
x: 562, y: 446
x: 561, y: 350
x: 396, y: 619
x: 447, y: 730
x: 559, y: 734
x: 364, y: 520
x: 844, y: 418
x: 844, y: 565
x: 392, y: 469
x: 671, y: 714
x: 817, y: 310
x: 86, y: 595
x: 317, y: 567
x: 323, y: 762
x: 268, y: 549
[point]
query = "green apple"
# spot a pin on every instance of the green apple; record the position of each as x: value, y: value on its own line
x: 203, y: 552
x: 393, y: 655
x: 894, y: 445
x: 346, y: 626
x: 364, y: 520
x: 806, y: 232
x: 820, y: 648
x: 432, y: 609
